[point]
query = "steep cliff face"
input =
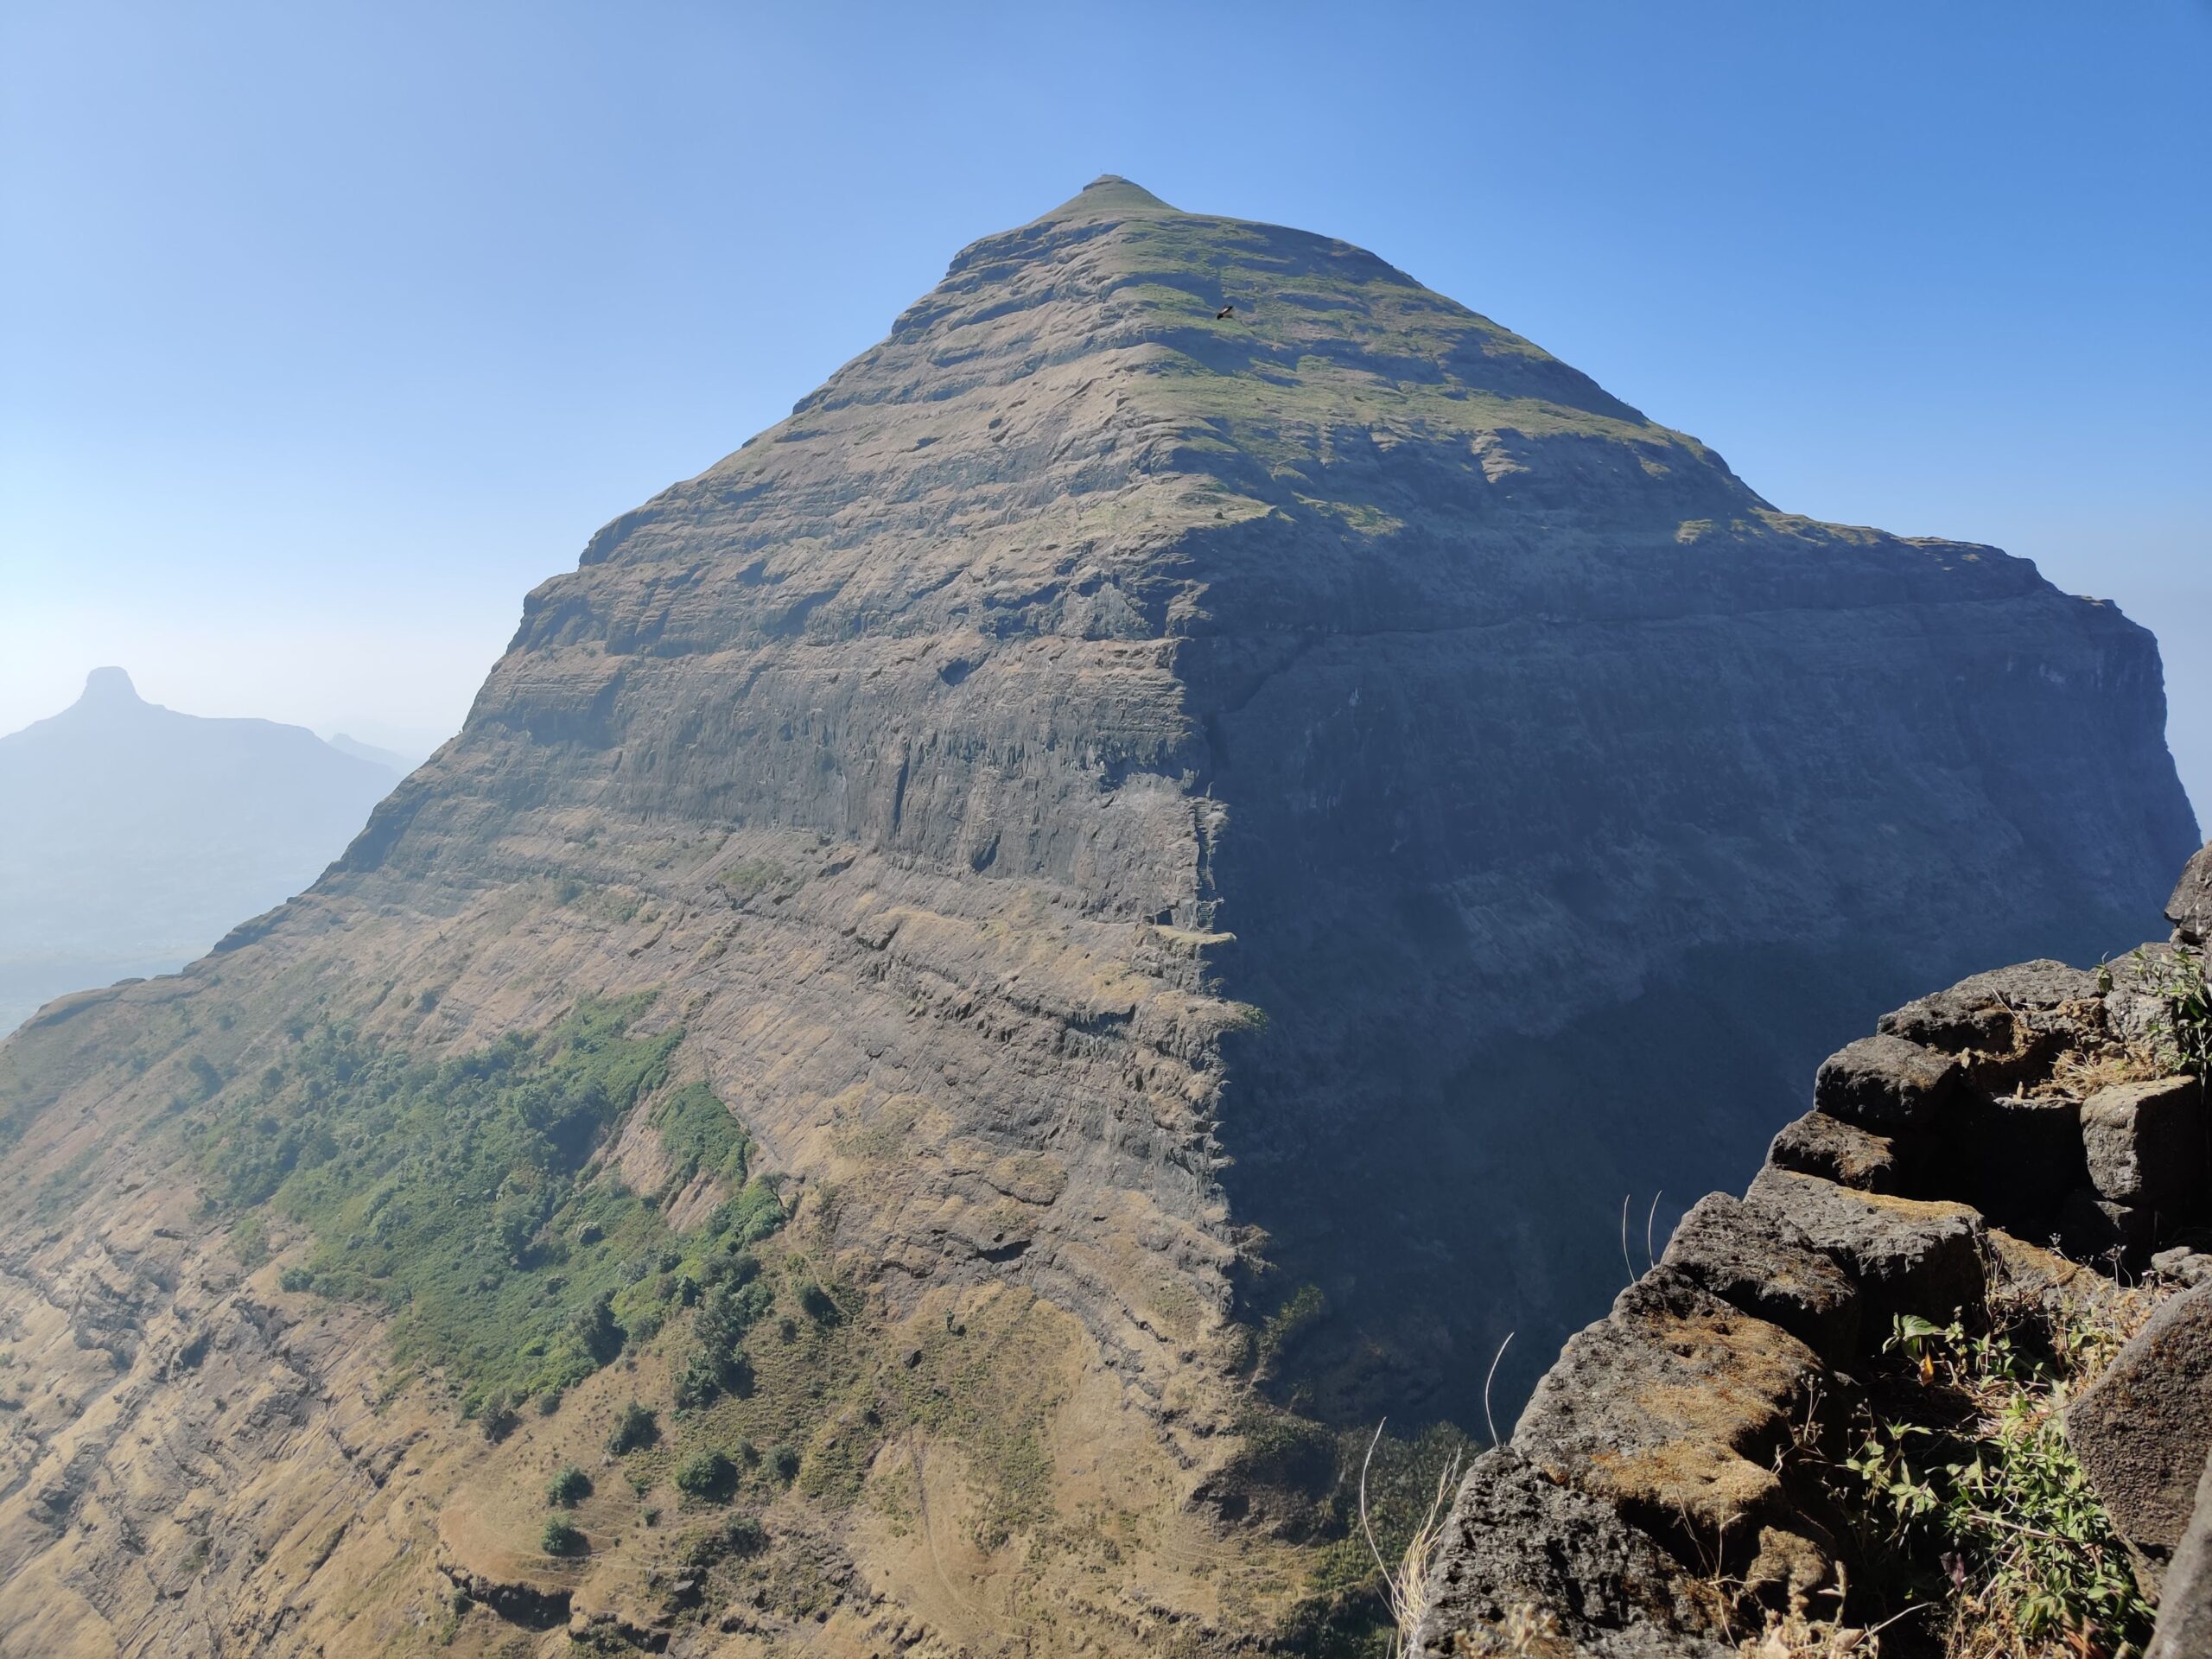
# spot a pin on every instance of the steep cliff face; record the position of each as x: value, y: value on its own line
x: 1357, y: 628
x: 1103, y: 777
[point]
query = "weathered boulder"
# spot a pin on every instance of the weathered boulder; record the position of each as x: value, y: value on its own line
x: 2184, y: 1263
x: 1997, y: 1011
x: 1886, y: 1083
x: 2145, y: 1144
x: 2067, y: 1288
x: 1529, y: 1566
x: 1672, y: 1407
x: 2191, y: 908
x: 2145, y: 1428
x: 1908, y: 1255
x: 1763, y: 1265
x: 1817, y: 1144
x: 1662, y: 1423
x: 2185, y: 1603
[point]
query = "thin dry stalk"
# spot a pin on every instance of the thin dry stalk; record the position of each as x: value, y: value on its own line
x: 1406, y: 1588
x: 1489, y: 1422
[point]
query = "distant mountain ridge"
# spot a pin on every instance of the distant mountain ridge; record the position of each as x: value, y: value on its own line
x: 391, y: 760
x: 134, y: 837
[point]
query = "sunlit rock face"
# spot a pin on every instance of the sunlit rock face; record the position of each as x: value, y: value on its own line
x: 1149, y: 810
x: 1564, y: 799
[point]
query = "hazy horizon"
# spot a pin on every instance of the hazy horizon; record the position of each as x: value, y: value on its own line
x: 413, y: 743
x: 135, y: 836
x: 332, y: 334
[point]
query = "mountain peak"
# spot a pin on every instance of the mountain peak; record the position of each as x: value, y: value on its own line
x: 1110, y: 193
x: 109, y: 688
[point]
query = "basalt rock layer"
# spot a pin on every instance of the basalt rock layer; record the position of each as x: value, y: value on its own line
x: 1127, y: 806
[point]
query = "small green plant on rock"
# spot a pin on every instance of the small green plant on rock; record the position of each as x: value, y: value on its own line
x: 2185, y: 1028
x: 1974, y: 1480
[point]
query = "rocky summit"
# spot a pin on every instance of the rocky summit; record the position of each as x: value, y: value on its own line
x: 1132, y: 887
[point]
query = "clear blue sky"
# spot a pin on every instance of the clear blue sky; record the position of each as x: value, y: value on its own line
x: 329, y: 329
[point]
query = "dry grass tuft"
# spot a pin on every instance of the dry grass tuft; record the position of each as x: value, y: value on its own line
x: 1797, y: 1635
x: 2078, y: 1075
x: 1406, y: 1586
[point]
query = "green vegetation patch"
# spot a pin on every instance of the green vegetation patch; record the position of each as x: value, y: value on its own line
x: 1298, y: 1315
x: 459, y: 1194
x: 2183, y: 1028
x: 701, y: 1137
x: 1965, y: 1497
x: 752, y: 877
x: 637, y: 1428
x: 729, y: 1308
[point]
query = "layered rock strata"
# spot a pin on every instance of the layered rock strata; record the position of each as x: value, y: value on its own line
x: 1351, y: 658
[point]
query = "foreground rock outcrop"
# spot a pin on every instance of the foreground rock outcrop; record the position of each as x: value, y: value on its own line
x: 2144, y: 1432
x: 970, y: 958
x: 2185, y: 1606
x: 1682, y: 1480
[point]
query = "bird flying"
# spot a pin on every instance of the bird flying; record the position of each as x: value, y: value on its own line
x: 1225, y: 311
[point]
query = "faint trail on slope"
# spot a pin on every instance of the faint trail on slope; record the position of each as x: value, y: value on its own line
x: 929, y: 1532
